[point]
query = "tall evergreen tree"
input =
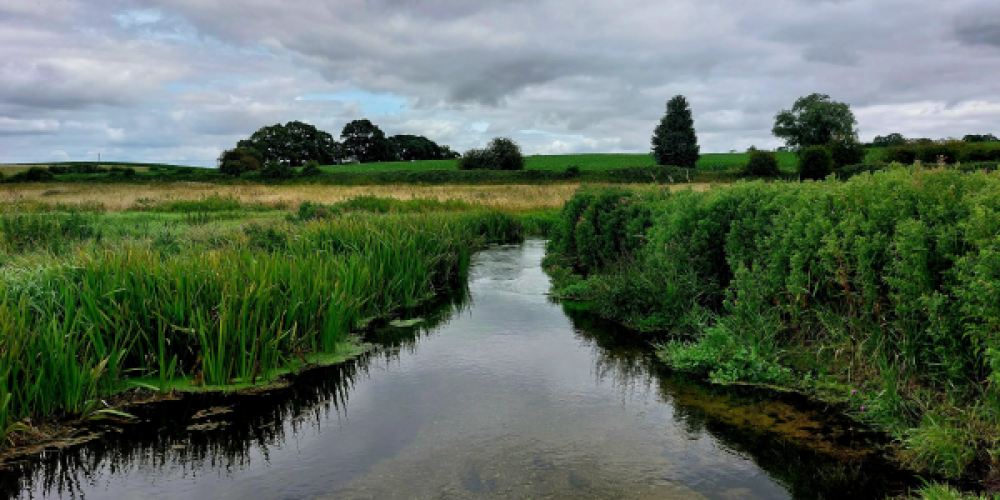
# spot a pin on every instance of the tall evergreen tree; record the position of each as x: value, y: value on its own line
x: 674, y: 141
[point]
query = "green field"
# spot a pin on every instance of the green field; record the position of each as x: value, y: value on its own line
x: 714, y: 162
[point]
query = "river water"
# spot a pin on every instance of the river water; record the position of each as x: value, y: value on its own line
x: 502, y: 393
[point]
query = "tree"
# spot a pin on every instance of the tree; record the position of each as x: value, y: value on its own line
x: 366, y: 142
x: 236, y: 161
x: 418, y: 147
x: 293, y: 144
x: 761, y: 164
x: 674, y: 140
x: 846, y: 152
x: 815, y: 163
x: 884, y: 141
x: 815, y: 120
x: 501, y: 153
x: 980, y: 138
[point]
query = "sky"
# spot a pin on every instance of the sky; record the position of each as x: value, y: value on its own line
x: 178, y: 81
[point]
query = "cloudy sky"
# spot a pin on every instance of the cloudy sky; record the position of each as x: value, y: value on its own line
x: 177, y: 81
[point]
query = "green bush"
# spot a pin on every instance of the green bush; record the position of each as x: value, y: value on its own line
x: 761, y: 164
x: 33, y: 174
x: 475, y: 159
x: 815, y: 163
x: 311, y: 169
x: 844, y: 153
x: 888, y: 283
x: 277, y: 171
x: 237, y: 161
x: 122, y: 172
x: 500, y: 154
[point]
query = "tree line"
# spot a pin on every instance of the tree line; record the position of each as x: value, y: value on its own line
x: 275, y: 149
x: 822, y: 132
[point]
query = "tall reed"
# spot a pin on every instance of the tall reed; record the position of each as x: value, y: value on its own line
x: 218, y: 316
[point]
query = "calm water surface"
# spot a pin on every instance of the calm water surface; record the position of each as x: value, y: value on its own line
x: 502, y: 394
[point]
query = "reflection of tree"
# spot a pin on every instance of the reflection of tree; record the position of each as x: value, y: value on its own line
x: 162, y: 441
x: 810, y: 449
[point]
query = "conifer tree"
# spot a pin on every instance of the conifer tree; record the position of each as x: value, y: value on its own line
x: 674, y: 141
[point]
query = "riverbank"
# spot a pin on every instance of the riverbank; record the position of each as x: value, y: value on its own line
x: 879, y: 294
x: 97, y: 304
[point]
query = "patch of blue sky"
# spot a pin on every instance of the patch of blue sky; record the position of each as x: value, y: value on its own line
x: 371, y: 103
x: 151, y: 24
x: 546, y: 133
x: 137, y: 17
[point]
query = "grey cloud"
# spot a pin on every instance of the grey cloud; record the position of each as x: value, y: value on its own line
x: 980, y: 32
x: 558, y: 75
x: 832, y: 55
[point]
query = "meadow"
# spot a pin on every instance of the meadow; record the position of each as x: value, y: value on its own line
x: 585, y: 162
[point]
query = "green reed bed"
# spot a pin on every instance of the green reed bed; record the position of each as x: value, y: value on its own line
x: 882, y: 293
x: 85, y: 322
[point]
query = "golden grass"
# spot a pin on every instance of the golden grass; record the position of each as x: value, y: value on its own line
x: 115, y: 197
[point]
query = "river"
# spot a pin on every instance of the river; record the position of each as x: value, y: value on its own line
x: 502, y: 393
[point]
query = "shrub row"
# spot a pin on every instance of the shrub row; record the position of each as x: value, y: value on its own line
x: 951, y: 151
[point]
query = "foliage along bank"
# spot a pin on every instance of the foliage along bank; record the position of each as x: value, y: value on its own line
x: 81, y: 321
x: 881, y: 292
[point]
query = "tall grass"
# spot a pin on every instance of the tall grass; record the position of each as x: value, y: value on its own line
x: 84, y: 324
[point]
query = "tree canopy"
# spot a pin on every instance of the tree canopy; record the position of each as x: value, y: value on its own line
x: 293, y: 144
x: 418, y: 147
x: 815, y: 120
x: 980, y: 138
x: 674, y: 140
x: 366, y: 142
x: 893, y: 139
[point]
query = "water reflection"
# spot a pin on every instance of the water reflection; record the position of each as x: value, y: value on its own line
x: 497, y: 393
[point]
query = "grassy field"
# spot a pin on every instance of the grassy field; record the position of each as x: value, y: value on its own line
x: 708, y: 162
x: 582, y: 161
x: 118, y: 197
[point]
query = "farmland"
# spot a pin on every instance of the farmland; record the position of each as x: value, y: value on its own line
x: 582, y: 161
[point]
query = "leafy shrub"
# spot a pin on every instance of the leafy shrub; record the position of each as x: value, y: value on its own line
x: 888, y: 282
x: 761, y: 164
x: 506, y: 154
x: 500, y: 154
x: 475, y: 159
x: 33, y: 174
x: 815, y: 163
x: 277, y: 171
x: 311, y: 169
x: 952, y: 151
x: 844, y: 153
x: 124, y: 172
x: 597, y: 230
x: 238, y: 161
